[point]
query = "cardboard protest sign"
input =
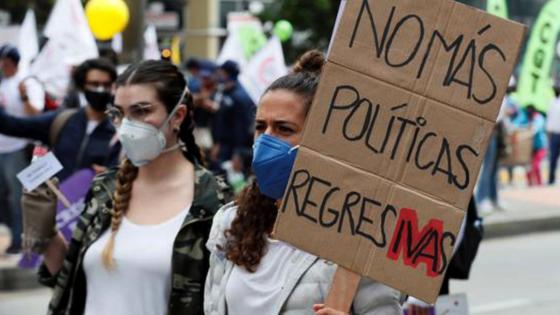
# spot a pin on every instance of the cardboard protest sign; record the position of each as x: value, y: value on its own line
x: 39, y: 171
x: 395, y: 138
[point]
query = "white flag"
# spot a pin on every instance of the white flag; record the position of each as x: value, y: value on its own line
x: 232, y: 50
x: 28, y: 42
x: 67, y: 22
x: 266, y: 66
x: 151, y: 49
x: 70, y: 43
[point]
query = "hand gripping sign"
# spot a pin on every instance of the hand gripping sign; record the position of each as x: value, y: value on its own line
x: 395, y: 139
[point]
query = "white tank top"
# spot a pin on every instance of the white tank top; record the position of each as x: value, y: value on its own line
x: 259, y: 292
x: 140, y: 283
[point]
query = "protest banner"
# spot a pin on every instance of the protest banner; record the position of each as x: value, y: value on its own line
x: 28, y: 41
x: 264, y: 67
x: 70, y: 42
x: 535, y: 79
x: 395, y: 137
x: 39, y: 171
x: 151, y: 48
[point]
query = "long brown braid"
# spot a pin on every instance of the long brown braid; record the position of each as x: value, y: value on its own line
x: 125, y: 178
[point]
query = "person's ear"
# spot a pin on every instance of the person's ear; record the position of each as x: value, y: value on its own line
x: 179, y: 117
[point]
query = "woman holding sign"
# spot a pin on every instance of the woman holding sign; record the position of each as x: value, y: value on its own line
x: 138, y: 247
x: 251, y: 272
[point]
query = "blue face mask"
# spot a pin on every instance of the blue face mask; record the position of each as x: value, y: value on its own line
x: 273, y: 160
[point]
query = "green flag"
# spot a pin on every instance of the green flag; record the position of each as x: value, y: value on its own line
x: 252, y: 39
x: 497, y: 8
x: 535, y: 81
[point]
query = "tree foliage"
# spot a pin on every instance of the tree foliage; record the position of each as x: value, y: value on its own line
x: 313, y: 22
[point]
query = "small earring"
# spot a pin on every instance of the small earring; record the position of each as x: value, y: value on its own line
x: 176, y: 129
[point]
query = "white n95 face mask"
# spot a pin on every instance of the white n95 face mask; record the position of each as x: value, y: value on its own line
x: 143, y: 142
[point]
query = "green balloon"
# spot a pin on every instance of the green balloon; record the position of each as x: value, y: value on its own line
x: 283, y: 30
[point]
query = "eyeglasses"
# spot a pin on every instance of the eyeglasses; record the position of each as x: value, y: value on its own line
x: 97, y: 84
x: 136, y: 112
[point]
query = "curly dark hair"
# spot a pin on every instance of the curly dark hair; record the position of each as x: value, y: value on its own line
x: 256, y: 213
x: 79, y: 74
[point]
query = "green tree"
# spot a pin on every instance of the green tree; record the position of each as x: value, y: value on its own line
x: 313, y: 22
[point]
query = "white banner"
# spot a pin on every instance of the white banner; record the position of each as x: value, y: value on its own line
x: 28, y: 42
x: 266, y: 66
x: 151, y: 49
x: 70, y: 43
x: 232, y: 50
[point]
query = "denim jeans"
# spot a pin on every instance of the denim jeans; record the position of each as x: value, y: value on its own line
x: 554, y: 142
x: 10, y: 192
x: 488, y: 181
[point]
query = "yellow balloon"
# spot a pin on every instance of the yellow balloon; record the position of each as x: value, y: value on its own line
x: 106, y: 18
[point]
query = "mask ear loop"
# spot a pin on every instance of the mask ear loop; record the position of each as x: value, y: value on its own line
x: 293, y: 148
x: 166, y: 122
x: 180, y: 144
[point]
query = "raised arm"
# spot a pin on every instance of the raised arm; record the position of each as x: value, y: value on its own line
x: 36, y: 127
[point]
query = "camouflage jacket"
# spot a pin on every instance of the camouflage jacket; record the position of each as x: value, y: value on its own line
x: 189, y: 259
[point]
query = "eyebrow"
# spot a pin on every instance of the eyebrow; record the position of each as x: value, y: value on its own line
x: 278, y: 122
x: 137, y: 103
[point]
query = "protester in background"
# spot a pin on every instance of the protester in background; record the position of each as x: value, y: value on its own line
x: 87, y: 77
x: 20, y: 98
x: 196, y: 68
x: 515, y: 118
x: 251, y: 272
x: 536, y: 123
x: 138, y: 248
x: 232, y: 127
x: 487, y: 188
x: 205, y: 108
x: 79, y: 138
x: 553, y: 129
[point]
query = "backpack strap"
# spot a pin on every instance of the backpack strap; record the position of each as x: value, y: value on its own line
x: 59, y: 122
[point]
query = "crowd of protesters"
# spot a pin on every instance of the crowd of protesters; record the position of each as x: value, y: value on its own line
x: 79, y: 132
x: 170, y: 133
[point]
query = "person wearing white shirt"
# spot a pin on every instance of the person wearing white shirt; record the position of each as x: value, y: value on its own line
x: 20, y: 98
x: 553, y: 129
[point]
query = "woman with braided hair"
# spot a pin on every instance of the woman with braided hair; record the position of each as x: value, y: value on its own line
x: 138, y: 247
x: 251, y: 272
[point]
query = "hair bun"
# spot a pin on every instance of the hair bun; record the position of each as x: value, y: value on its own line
x: 312, y: 61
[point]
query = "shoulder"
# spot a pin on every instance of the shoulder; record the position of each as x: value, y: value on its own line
x: 211, y: 191
x: 222, y: 222
x: 97, y: 204
x: 102, y: 188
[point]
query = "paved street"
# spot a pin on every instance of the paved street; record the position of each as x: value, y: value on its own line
x: 29, y: 302
x: 517, y: 275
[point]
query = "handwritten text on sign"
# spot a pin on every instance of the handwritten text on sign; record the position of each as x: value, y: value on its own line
x: 395, y: 138
x: 39, y: 171
x: 447, y: 51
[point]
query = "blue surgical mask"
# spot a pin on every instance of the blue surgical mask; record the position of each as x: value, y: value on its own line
x: 273, y: 160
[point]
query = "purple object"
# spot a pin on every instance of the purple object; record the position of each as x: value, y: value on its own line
x: 430, y: 310
x: 75, y: 189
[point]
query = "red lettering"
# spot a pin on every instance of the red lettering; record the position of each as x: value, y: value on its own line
x: 417, y: 247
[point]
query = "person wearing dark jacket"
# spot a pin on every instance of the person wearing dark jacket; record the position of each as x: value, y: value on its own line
x: 86, y: 139
x: 232, y: 128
